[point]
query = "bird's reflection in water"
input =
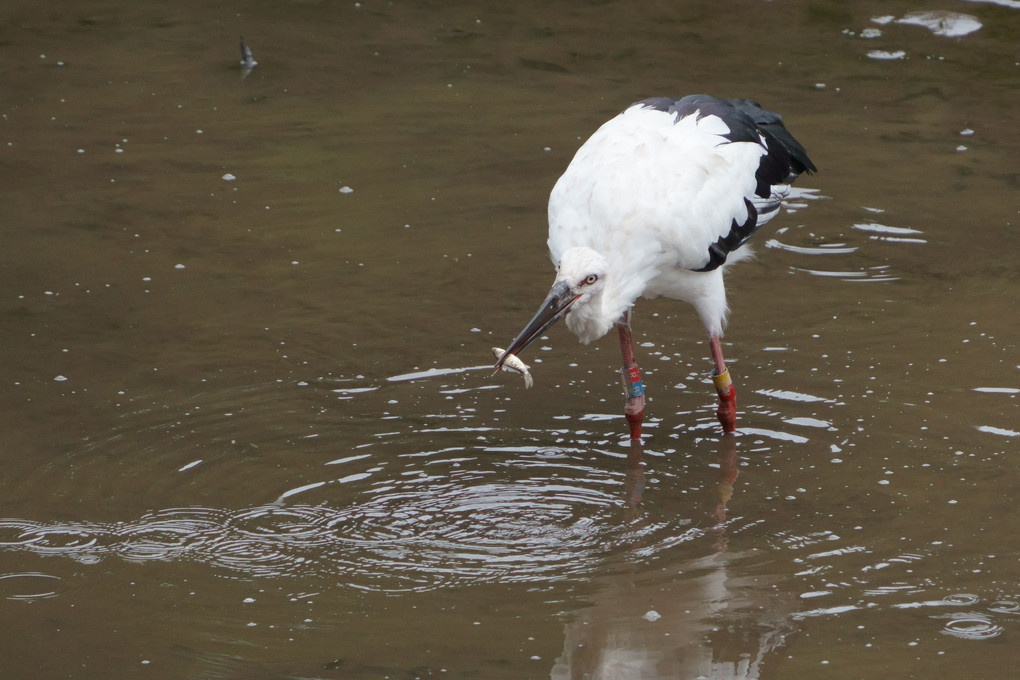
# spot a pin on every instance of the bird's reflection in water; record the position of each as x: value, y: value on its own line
x: 704, y: 617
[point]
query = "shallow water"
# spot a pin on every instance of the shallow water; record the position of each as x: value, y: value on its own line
x: 248, y: 427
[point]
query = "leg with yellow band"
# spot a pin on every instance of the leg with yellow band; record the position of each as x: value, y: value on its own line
x: 727, y: 412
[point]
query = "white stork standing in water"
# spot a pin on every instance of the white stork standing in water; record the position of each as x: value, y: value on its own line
x: 659, y: 201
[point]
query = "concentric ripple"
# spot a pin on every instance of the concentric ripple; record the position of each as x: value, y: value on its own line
x: 29, y: 586
x: 960, y: 599
x: 1005, y: 607
x: 75, y: 540
x: 972, y: 626
x: 408, y: 535
x: 166, y: 534
x: 488, y: 532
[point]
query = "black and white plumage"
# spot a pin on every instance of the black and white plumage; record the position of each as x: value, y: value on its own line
x: 659, y: 201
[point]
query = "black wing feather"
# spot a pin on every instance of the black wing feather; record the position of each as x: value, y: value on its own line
x: 785, y: 157
x: 748, y: 122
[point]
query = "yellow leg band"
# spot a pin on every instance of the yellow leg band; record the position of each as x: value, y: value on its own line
x: 722, y: 381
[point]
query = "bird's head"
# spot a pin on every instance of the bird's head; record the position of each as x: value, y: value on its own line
x: 580, y: 280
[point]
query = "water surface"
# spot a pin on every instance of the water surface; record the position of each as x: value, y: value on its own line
x: 248, y: 429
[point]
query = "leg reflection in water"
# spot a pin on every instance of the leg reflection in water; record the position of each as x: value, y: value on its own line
x: 705, y: 616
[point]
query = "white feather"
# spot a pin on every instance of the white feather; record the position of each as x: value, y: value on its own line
x: 649, y: 194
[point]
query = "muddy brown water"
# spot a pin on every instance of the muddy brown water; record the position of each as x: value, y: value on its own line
x: 247, y: 429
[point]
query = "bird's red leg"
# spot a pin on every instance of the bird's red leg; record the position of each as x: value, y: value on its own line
x: 633, y: 388
x: 727, y: 411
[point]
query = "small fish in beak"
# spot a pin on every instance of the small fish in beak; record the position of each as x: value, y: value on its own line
x: 511, y: 364
x: 555, y: 307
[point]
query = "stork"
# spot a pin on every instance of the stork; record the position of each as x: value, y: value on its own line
x: 660, y: 201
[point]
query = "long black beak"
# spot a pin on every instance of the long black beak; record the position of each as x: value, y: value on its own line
x: 552, y: 310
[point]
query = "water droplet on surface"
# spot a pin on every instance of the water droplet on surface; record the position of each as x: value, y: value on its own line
x: 884, y: 55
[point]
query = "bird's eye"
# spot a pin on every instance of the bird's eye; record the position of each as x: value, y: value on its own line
x: 592, y: 278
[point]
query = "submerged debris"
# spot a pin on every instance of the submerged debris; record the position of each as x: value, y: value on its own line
x: 248, y: 62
